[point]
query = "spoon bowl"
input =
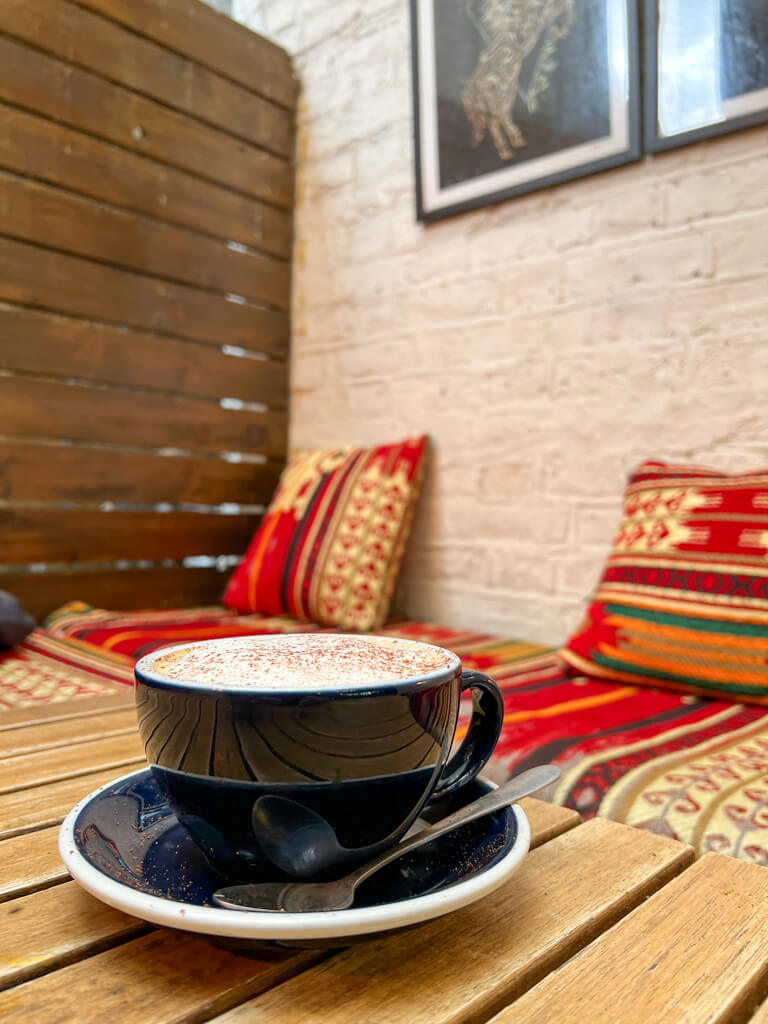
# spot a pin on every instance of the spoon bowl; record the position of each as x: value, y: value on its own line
x: 301, y: 843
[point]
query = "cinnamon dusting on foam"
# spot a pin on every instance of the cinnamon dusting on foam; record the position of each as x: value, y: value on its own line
x: 303, y: 660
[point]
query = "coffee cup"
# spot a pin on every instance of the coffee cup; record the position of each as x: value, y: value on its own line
x: 356, y: 730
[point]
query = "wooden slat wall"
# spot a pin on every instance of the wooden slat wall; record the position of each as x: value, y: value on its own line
x: 146, y: 186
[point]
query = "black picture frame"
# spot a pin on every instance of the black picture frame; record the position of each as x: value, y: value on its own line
x: 434, y: 202
x: 655, y: 140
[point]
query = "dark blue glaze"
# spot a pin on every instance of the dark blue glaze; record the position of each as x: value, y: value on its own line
x: 129, y: 833
x: 366, y: 762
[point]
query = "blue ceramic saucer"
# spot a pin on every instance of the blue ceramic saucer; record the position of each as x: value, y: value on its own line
x: 125, y: 846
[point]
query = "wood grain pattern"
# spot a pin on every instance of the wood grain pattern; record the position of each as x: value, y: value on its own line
x: 145, y: 228
x: 37, y: 342
x: 29, y: 946
x: 50, y: 410
x: 33, y: 145
x: 83, y: 924
x: 71, y: 284
x: 40, y: 472
x: 71, y: 710
x: 49, y: 735
x: 761, y: 1016
x: 30, y: 862
x: 165, y: 977
x: 42, y: 767
x: 696, y: 952
x: 547, y: 820
x: 48, y: 216
x: 83, y: 100
x: 211, y: 39
x: 140, y: 64
x: 44, y: 535
x: 51, y: 804
x: 466, y: 967
x: 158, y: 587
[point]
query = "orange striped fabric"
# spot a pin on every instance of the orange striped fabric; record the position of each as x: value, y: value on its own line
x: 683, y: 600
x: 330, y: 545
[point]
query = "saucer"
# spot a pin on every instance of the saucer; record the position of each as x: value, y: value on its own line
x: 125, y: 846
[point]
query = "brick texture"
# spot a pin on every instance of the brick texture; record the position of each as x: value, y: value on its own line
x: 546, y: 344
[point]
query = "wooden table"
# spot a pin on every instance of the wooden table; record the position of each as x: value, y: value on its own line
x: 602, y: 923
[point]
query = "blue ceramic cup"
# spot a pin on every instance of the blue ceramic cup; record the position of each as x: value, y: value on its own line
x: 363, y: 756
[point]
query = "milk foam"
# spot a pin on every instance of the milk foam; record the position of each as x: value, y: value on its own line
x: 312, y: 661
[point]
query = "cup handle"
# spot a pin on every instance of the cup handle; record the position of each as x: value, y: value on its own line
x: 482, y: 734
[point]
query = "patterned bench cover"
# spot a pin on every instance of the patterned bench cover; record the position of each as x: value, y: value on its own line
x: 688, y: 767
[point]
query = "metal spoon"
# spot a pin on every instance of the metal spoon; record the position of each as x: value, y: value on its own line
x: 306, y: 897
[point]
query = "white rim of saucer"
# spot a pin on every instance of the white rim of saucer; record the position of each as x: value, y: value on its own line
x: 255, y: 924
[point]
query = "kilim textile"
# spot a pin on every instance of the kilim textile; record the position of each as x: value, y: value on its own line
x: 44, y: 668
x: 331, y: 542
x: 683, y: 600
x: 679, y: 764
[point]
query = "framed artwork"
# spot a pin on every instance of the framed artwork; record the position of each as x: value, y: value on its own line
x: 706, y: 69
x: 516, y: 95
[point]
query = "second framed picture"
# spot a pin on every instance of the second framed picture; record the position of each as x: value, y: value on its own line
x: 516, y: 95
x: 706, y: 69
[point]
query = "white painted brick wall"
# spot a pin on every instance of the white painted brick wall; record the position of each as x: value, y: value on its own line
x: 546, y: 345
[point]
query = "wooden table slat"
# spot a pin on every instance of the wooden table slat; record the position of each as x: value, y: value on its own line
x: 52, y: 802
x: 73, y: 709
x: 49, y: 736
x: 42, y: 767
x: 164, y: 978
x: 29, y: 946
x: 761, y: 1016
x: 696, y: 951
x: 30, y: 862
x: 466, y: 967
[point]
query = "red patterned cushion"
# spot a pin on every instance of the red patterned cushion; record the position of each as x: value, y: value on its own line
x: 683, y: 600
x: 330, y: 545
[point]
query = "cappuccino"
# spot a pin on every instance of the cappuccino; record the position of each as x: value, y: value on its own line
x: 305, y: 660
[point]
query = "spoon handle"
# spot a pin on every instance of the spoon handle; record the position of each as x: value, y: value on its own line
x: 530, y: 781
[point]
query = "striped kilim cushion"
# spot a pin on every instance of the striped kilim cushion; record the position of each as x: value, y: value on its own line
x: 683, y: 600
x: 330, y: 545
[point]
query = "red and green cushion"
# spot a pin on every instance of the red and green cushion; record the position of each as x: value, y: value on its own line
x: 331, y: 542
x: 683, y: 599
